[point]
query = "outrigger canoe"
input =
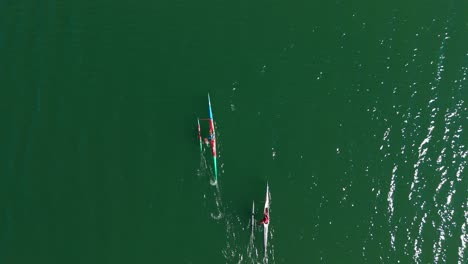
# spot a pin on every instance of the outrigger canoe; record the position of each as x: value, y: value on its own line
x: 212, y: 137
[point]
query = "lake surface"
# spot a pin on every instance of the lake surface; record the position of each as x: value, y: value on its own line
x: 354, y: 113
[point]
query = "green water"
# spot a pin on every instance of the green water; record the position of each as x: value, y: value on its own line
x: 354, y: 113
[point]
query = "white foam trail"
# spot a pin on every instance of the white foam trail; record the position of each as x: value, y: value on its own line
x: 463, y: 238
x: 422, y: 150
x: 391, y: 191
x: 457, y: 154
x: 252, y: 251
x: 203, y: 166
x: 233, y: 252
x: 219, y: 204
x: 418, y: 241
x: 213, y: 182
x: 391, y: 207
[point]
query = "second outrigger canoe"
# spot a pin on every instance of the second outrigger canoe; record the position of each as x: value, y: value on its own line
x: 253, y: 219
x: 266, y: 211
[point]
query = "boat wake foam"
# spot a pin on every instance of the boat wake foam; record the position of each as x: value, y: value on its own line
x: 203, y: 166
x: 252, y: 251
x: 213, y: 182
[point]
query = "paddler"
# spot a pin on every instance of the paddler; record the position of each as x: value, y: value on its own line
x: 266, y: 217
x: 207, y: 140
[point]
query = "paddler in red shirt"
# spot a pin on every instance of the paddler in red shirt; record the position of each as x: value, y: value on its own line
x: 266, y: 217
